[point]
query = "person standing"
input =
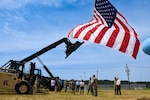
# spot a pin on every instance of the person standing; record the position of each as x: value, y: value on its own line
x: 72, y: 86
x: 56, y: 84
x: 52, y: 85
x: 77, y: 85
x: 82, y: 87
x: 118, y: 84
x: 65, y: 85
x: 94, y: 85
x: 115, y: 86
x: 60, y: 84
x: 90, y: 89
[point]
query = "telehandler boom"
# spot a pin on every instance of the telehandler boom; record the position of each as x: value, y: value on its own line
x: 12, y: 75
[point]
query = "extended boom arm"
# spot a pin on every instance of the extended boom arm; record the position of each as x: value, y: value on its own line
x: 70, y: 48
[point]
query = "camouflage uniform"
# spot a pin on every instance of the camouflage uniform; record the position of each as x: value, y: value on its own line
x: 72, y: 87
x: 115, y: 86
x: 94, y: 85
x: 65, y: 85
x: 90, y: 89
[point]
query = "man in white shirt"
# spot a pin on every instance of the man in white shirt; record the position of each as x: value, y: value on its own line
x: 82, y: 87
x: 118, y: 84
x: 77, y: 85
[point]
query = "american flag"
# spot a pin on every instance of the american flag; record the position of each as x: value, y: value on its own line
x: 108, y: 27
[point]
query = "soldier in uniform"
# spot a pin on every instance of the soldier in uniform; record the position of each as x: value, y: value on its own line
x: 72, y: 84
x: 65, y: 85
x: 115, y: 86
x: 94, y: 82
x: 90, y: 89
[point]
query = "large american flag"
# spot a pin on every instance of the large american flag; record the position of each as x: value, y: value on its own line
x: 108, y: 27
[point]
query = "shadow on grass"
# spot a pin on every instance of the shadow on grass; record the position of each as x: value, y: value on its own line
x: 12, y: 92
x: 7, y: 92
x: 144, y: 98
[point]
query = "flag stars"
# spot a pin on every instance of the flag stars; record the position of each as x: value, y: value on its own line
x: 107, y: 11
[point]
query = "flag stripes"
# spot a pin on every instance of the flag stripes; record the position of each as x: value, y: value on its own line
x: 120, y: 35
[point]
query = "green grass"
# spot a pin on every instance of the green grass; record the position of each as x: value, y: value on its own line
x: 102, y: 95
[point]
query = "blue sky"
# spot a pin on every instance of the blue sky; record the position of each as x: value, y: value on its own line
x: 27, y: 26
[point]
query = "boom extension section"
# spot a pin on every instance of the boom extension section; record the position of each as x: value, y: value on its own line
x: 70, y: 47
x: 45, y: 67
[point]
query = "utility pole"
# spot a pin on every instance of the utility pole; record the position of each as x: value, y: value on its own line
x: 97, y: 73
x: 128, y: 73
x: 84, y: 75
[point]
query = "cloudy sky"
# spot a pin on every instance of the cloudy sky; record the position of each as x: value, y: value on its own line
x: 29, y: 25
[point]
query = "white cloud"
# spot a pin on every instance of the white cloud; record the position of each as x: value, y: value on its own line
x: 11, y: 4
x: 15, y: 4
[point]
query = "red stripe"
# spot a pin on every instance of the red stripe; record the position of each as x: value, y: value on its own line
x: 90, y: 32
x: 136, y: 48
x: 122, y: 16
x: 101, y: 34
x: 113, y: 36
x: 126, y: 38
x: 83, y: 28
x: 135, y: 34
x: 70, y: 32
x: 99, y: 17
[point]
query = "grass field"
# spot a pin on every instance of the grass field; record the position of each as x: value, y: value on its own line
x: 102, y: 95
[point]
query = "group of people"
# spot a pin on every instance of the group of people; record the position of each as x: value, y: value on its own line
x: 117, y: 86
x: 78, y: 86
x: 93, y: 85
x: 56, y: 84
x: 74, y: 86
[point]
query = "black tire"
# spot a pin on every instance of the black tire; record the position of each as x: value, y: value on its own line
x: 22, y: 88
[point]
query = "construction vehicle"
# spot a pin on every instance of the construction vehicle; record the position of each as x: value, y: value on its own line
x: 13, y: 76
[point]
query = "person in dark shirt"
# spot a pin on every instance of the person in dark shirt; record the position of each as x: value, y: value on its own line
x: 56, y: 84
